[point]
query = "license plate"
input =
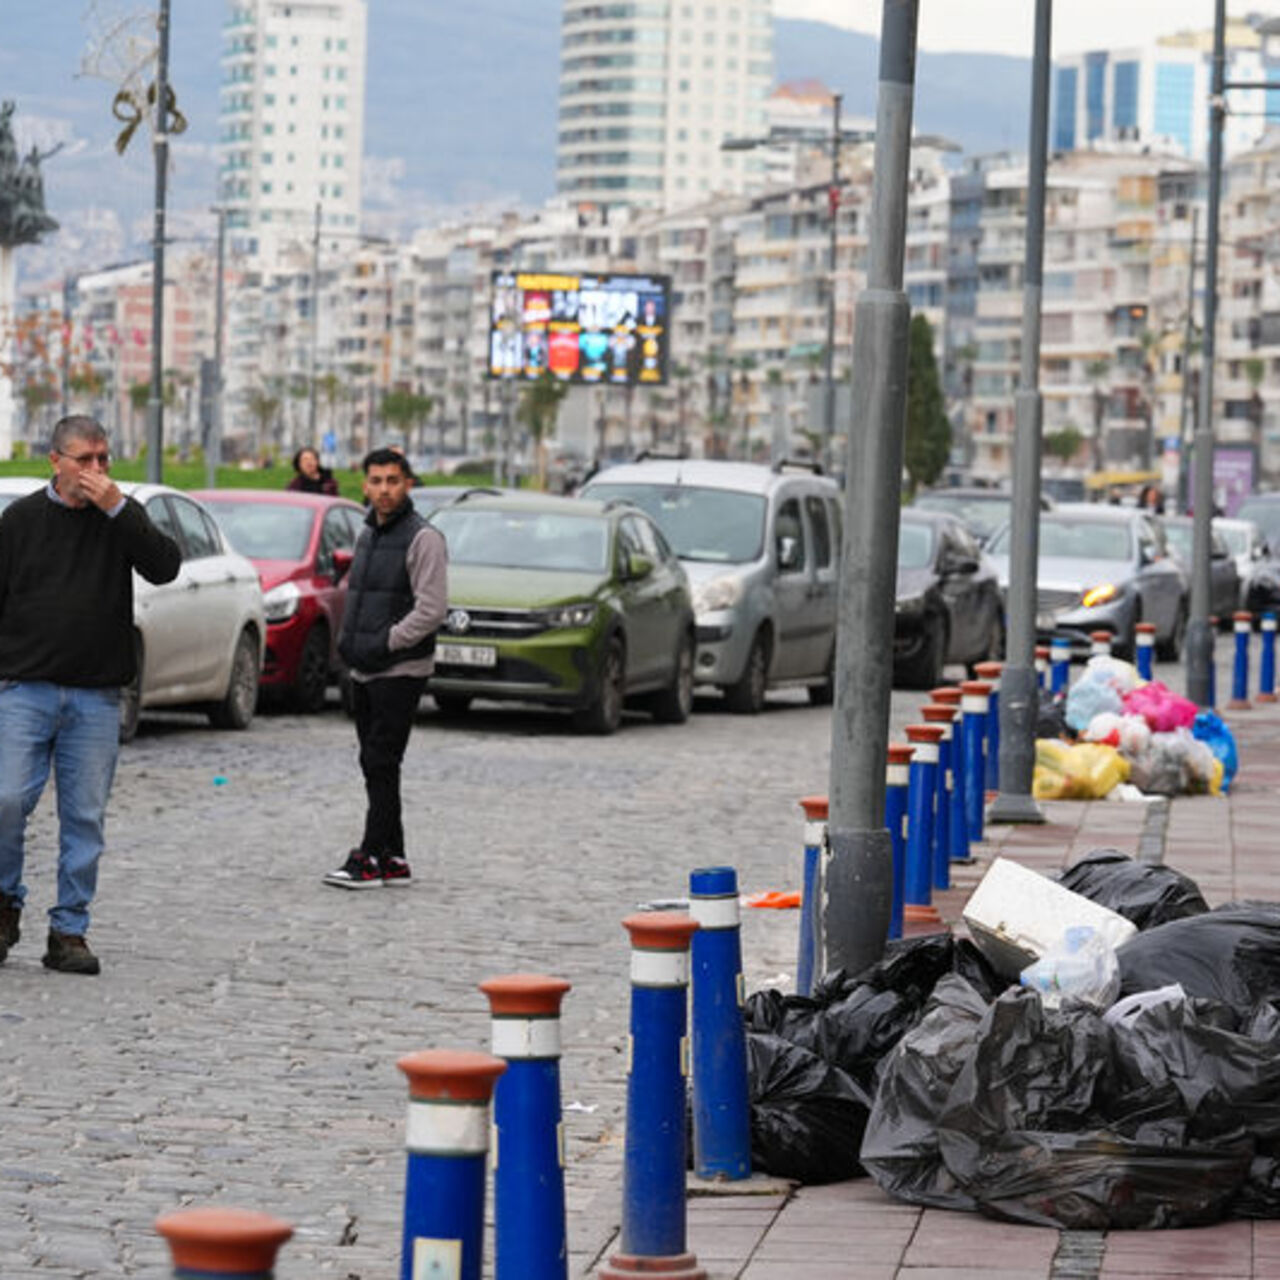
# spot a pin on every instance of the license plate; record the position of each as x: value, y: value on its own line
x: 467, y: 655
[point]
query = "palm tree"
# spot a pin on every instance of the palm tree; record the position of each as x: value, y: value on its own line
x: 539, y: 408
x: 1096, y: 371
x: 1255, y: 370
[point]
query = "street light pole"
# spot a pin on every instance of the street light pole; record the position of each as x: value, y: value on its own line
x: 1019, y: 694
x: 854, y: 902
x: 1188, y: 335
x: 213, y: 446
x: 315, y: 327
x: 833, y: 206
x: 1199, y: 630
x: 155, y: 402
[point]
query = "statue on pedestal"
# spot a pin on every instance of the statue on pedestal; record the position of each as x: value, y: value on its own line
x: 23, y: 219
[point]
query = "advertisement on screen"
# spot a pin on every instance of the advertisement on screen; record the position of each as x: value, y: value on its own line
x: 602, y: 329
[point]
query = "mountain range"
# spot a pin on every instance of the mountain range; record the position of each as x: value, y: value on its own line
x: 460, y: 112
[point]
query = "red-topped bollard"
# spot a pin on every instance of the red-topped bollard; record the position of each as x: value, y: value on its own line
x: 654, y: 1228
x: 447, y: 1140
x: 990, y: 672
x: 940, y: 855
x: 1099, y: 644
x: 1242, y: 625
x: 974, y: 705
x: 897, y: 785
x: 1042, y: 664
x: 815, y: 836
x: 950, y: 695
x: 1144, y: 643
x: 530, y: 1241
x: 922, y: 790
x: 223, y: 1242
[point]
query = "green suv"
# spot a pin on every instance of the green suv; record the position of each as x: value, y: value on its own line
x: 576, y: 604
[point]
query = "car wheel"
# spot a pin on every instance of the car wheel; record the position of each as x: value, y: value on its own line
x: 824, y: 694
x: 924, y: 670
x: 1170, y: 648
x: 131, y: 696
x: 746, y: 696
x: 452, y: 704
x: 238, y: 704
x: 673, y: 704
x: 604, y: 714
x: 312, y: 680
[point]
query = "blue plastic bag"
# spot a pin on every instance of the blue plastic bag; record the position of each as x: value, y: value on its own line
x: 1211, y: 729
x: 1090, y: 696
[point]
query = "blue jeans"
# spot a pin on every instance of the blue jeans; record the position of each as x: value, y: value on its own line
x: 77, y: 731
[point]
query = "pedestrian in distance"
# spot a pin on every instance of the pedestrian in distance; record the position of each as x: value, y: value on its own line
x: 309, y: 476
x: 396, y: 598
x: 67, y: 557
x: 1151, y: 499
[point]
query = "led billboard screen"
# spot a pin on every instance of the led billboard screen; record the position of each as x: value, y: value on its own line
x: 606, y: 329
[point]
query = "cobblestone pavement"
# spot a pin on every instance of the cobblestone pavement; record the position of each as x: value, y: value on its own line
x: 239, y: 1047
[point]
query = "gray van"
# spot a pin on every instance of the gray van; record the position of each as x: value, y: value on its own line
x: 761, y: 547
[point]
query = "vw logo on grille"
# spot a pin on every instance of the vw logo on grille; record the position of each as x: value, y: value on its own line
x: 458, y: 621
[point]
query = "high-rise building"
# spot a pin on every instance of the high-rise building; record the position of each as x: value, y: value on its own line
x: 291, y: 113
x: 649, y: 91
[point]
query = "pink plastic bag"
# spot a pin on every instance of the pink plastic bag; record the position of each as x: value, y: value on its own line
x: 1160, y: 707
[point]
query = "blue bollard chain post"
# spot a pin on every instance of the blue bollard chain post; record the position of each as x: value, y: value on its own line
x: 990, y: 672
x: 922, y: 790
x: 1144, y: 643
x: 1242, y: 625
x: 1060, y: 665
x: 447, y: 1141
x: 943, y: 716
x: 654, y: 1234
x: 974, y: 706
x: 240, y: 1244
x: 721, y: 1114
x: 530, y: 1240
x: 1267, y: 660
x: 958, y: 827
x: 815, y: 837
x: 897, y: 780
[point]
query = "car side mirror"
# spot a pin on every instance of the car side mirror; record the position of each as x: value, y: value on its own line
x: 638, y: 566
x: 342, y: 559
x: 788, y: 552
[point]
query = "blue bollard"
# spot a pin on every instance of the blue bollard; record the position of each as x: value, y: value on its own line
x: 653, y: 1236
x: 1042, y: 664
x: 958, y: 827
x: 1060, y: 666
x: 721, y: 1115
x: 1242, y: 625
x: 922, y: 789
x: 528, y: 1175
x: 223, y: 1242
x: 940, y: 856
x: 1144, y: 644
x: 990, y: 672
x: 973, y: 707
x: 1267, y: 661
x: 896, y: 786
x: 447, y: 1141
x: 1099, y: 644
x: 815, y: 836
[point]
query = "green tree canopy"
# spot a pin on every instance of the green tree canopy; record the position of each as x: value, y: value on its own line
x: 928, y: 440
x: 539, y: 408
x: 1063, y: 444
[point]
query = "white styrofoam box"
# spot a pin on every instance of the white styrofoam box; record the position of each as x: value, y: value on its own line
x: 1016, y: 915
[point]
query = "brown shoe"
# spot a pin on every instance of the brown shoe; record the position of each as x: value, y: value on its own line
x: 10, y: 913
x: 69, y: 953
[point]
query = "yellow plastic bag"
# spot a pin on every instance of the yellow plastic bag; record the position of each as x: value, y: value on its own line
x: 1085, y: 771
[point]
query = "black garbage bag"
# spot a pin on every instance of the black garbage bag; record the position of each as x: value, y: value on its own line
x: 1051, y: 717
x: 1230, y: 954
x: 1147, y: 895
x: 900, y: 1146
x: 807, y: 1117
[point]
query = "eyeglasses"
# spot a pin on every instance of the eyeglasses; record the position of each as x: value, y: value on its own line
x: 103, y: 459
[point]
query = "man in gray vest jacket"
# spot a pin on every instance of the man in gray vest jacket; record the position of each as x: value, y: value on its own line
x: 396, y: 598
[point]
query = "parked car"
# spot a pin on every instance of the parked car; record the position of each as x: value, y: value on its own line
x: 949, y: 605
x: 291, y: 538
x: 1103, y: 568
x: 576, y: 604
x: 1264, y: 510
x: 982, y: 510
x: 1224, y: 577
x: 200, y: 637
x: 761, y: 546
x: 1247, y: 546
x: 427, y: 497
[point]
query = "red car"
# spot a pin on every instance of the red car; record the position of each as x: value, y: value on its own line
x: 291, y: 538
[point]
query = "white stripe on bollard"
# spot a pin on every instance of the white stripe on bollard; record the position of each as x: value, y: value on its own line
x: 898, y: 775
x: 926, y: 753
x: 659, y: 968
x: 438, y: 1128
x: 715, y: 913
x: 526, y: 1038
x: 813, y: 833
x: 975, y: 704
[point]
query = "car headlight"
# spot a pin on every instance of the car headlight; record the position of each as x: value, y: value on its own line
x: 281, y: 603
x: 570, y: 616
x: 1101, y: 594
x: 719, y: 593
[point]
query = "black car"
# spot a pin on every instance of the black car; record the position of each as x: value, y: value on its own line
x: 1224, y: 577
x: 949, y: 606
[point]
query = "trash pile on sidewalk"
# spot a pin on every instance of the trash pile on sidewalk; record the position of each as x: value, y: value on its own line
x: 1104, y: 1054
x: 1115, y: 733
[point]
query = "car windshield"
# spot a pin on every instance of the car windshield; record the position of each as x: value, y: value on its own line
x: 524, y: 539
x: 1266, y: 515
x: 983, y: 515
x: 915, y: 545
x: 700, y: 524
x: 1236, y: 536
x: 1075, y: 540
x: 1178, y: 536
x: 264, y: 530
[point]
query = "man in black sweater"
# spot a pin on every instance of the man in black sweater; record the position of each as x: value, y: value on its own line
x: 67, y: 555
x: 396, y: 599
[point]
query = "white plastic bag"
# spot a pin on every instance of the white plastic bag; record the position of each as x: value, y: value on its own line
x: 1082, y: 966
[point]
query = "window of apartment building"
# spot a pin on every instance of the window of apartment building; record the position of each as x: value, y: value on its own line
x: 269, y: 69
x: 340, y: 102
x: 266, y: 157
x: 341, y: 73
x: 293, y: 71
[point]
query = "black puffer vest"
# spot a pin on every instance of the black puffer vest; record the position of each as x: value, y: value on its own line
x: 379, y: 593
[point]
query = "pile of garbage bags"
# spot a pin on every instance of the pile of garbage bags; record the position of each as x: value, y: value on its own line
x: 1138, y: 1088
x: 1113, y: 728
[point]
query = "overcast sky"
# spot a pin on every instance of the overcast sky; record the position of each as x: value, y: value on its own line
x: 1005, y: 26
